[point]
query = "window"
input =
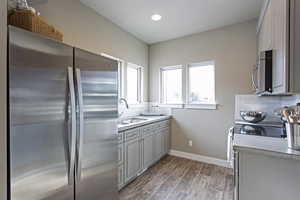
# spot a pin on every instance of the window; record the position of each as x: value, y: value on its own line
x: 121, y: 78
x: 192, y: 86
x: 130, y: 80
x: 201, y: 85
x: 121, y: 66
x: 171, y: 79
x: 134, y: 83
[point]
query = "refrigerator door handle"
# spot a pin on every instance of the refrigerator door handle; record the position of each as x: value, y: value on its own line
x: 81, y: 118
x: 72, y: 143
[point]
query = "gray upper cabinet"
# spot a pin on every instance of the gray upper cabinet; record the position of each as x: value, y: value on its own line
x: 294, y: 69
x: 278, y: 30
x: 280, y: 45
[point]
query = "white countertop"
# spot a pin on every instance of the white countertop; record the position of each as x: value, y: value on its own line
x: 150, y: 119
x: 266, y: 145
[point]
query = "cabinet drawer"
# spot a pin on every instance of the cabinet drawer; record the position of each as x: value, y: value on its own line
x: 163, y: 124
x: 148, y: 130
x: 163, y: 129
x: 120, y: 153
x: 132, y: 134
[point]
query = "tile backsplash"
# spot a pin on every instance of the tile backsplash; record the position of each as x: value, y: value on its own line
x: 157, y: 108
x: 265, y: 103
x: 137, y: 109
x: 134, y: 110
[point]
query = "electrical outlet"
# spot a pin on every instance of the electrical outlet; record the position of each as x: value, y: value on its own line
x: 190, y: 143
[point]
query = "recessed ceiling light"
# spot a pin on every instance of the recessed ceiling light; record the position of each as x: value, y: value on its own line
x: 156, y: 17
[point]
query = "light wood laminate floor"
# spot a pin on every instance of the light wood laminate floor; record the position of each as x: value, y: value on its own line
x: 176, y: 178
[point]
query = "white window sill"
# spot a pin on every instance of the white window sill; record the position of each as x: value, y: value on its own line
x: 203, y: 106
x: 171, y: 105
x: 137, y: 105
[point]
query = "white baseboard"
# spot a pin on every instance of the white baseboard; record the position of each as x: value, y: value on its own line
x: 196, y: 157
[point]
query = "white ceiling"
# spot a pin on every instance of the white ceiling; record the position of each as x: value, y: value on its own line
x: 179, y: 17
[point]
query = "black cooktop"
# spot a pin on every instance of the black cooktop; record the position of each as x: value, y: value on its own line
x: 260, y: 130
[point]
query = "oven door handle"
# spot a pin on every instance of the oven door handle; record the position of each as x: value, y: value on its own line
x: 230, y: 146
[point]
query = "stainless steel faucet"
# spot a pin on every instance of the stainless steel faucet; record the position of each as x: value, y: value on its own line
x: 125, y: 101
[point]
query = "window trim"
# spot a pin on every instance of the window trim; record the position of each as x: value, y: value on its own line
x: 140, y: 70
x: 161, y: 92
x: 188, y: 83
x: 122, y: 83
x: 121, y: 64
x: 186, y: 104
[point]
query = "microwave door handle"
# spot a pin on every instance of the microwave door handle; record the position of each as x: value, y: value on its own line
x: 253, y: 74
x: 81, y: 124
x: 72, y: 136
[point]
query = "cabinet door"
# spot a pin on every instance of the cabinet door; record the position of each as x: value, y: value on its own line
x: 166, y: 141
x: 273, y: 35
x: 120, y: 154
x: 132, y: 159
x: 265, y: 33
x: 148, y: 151
x: 265, y: 177
x: 158, y: 144
x: 280, y: 42
x: 121, y: 176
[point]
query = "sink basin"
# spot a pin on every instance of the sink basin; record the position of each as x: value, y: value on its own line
x: 132, y: 120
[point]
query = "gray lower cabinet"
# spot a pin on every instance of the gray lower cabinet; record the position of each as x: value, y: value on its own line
x: 148, y: 151
x: 121, y: 180
x: 120, y: 154
x: 139, y: 148
x: 132, y: 159
x: 158, y: 144
x: 266, y: 176
x: 166, y: 140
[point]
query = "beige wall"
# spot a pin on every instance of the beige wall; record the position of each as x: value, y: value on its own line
x: 86, y: 29
x: 233, y: 48
x: 3, y: 43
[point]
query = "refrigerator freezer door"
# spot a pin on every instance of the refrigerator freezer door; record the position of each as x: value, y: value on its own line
x: 97, y: 101
x: 40, y: 132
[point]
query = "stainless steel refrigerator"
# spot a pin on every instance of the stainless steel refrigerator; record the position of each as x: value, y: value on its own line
x: 63, y: 121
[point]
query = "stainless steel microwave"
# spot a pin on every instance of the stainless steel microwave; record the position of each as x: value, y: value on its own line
x: 262, y: 73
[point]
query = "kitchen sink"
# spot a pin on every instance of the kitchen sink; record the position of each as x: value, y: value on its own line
x: 132, y: 120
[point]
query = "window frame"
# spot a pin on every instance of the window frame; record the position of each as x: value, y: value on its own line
x: 122, y: 75
x: 186, y: 104
x: 188, y: 83
x: 121, y: 64
x: 161, y: 91
x: 140, y: 77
